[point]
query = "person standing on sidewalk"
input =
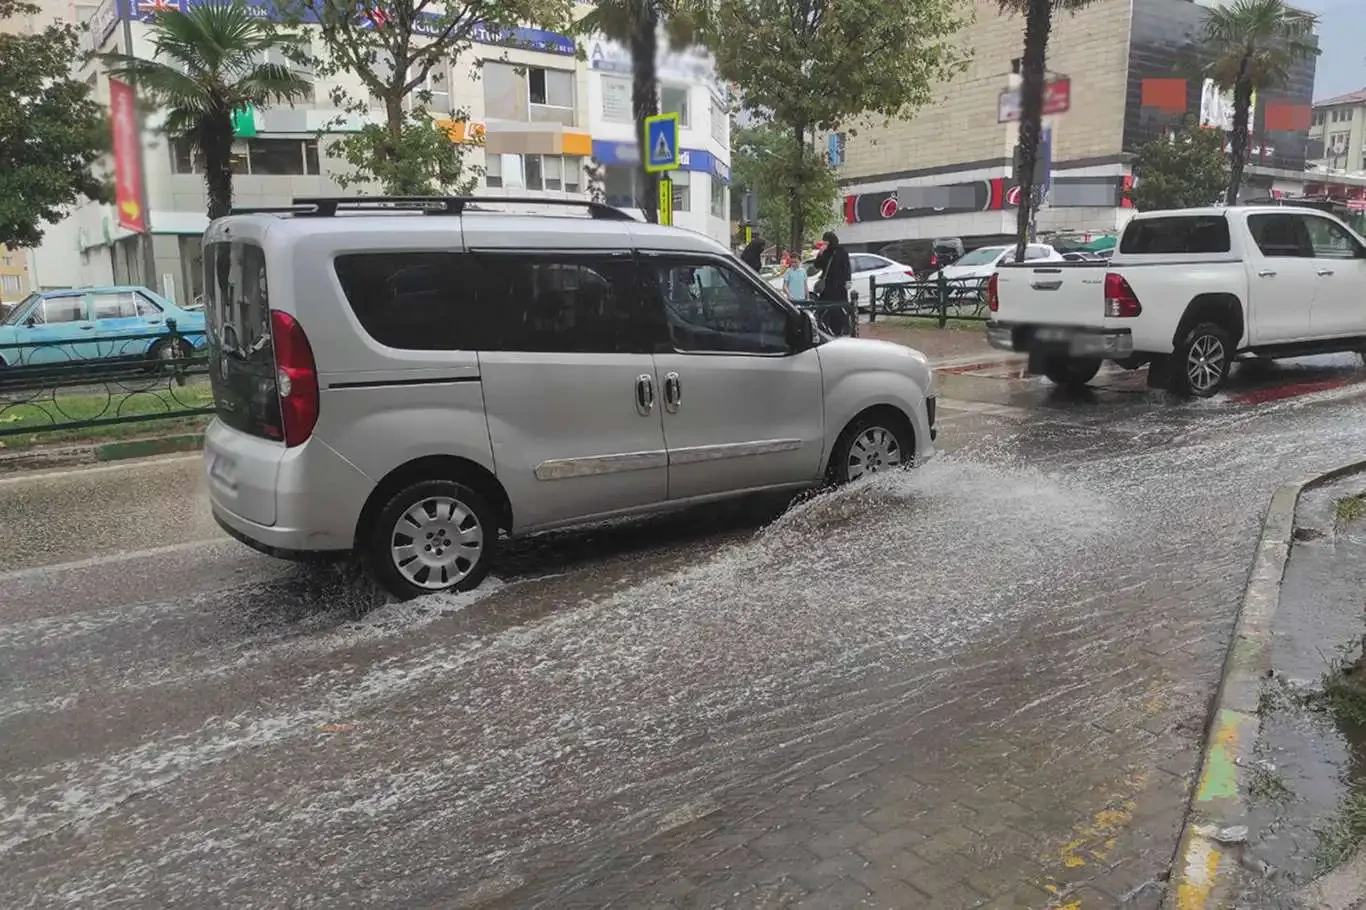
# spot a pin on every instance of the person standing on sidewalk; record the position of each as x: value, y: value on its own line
x: 833, y: 264
x: 794, y: 279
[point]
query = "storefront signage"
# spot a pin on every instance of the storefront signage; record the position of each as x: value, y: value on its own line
x: 103, y: 23
x: 607, y: 151
x: 996, y: 194
x: 691, y: 66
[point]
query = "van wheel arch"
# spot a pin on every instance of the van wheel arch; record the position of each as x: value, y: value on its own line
x: 1222, y: 309
x: 435, y: 467
x: 889, y: 413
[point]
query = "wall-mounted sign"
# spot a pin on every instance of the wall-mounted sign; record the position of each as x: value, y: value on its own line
x: 103, y: 23
x: 1057, y: 99
x: 609, y: 152
x: 993, y: 195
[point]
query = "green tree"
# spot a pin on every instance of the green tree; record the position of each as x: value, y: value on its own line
x: 1184, y: 169
x: 765, y: 160
x: 1033, y: 76
x: 51, y: 131
x: 636, y: 24
x: 400, y: 50
x: 210, y: 63
x: 1251, y: 46
x: 816, y: 65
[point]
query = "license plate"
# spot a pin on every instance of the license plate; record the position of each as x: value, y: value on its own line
x: 1052, y: 334
x: 222, y: 469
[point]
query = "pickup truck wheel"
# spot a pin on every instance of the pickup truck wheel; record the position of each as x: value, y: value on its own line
x: 1201, y: 362
x: 1071, y: 372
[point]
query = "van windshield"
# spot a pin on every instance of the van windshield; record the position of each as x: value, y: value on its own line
x: 241, y: 353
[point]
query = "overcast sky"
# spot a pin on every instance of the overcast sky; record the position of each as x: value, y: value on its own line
x: 1342, y: 37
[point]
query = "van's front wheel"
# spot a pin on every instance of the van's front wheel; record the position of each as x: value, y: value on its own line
x: 436, y: 535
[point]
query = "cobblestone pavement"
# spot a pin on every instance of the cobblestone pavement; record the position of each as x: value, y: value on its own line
x: 982, y: 683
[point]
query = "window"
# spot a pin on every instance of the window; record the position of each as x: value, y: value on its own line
x: 534, y: 172
x: 551, y: 93
x: 9, y: 285
x: 1328, y: 240
x: 1196, y: 234
x: 504, y: 93
x: 720, y: 121
x: 185, y: 158
x: 712, y: 307
x: 62, y: 309
x: 552, y: 170
x: 438, y: 84
x: 718, y: 198
x: 623, y: 186
x: 616, y: 99
x: 531, y: 165
x: 299, y: 63
x: 493, y: 171
x: 862, y: 262
x: 674, y: 100
x: 417, y: 301
x: 573, y: 174
x: 1278, y: 235
x: 1035, y: 252
x: 114, y: 306
x: 682, y: 182
x: 275, y: 157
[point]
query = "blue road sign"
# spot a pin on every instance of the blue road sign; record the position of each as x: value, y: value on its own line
x: 661, y: 143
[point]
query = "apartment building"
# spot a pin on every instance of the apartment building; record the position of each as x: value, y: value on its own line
x: 1337, y: 134
x: 532, y: 109
x: 947, y: 171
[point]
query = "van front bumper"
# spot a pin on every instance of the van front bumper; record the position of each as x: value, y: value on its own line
x: 1061, y: 341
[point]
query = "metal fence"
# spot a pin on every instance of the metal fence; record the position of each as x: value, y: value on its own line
x: 838, y: 319
x: 941, y: 298
x: 67, y: 384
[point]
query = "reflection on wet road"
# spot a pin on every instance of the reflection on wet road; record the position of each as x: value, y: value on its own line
x: 984, y: 678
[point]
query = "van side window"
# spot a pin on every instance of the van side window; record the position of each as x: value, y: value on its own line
x: 712, y: 308
x: 1178, y: 234
x: 415, y: 301
x: 563, y: 303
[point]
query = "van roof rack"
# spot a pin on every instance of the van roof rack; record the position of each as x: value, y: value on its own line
x: 327, y: 206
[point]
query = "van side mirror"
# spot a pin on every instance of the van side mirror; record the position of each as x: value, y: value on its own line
x: 801, y: 331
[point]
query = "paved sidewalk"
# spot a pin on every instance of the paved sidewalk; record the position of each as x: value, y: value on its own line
x: 937, y: 344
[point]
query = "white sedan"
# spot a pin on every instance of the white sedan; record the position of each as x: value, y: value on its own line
x: 866, y: 268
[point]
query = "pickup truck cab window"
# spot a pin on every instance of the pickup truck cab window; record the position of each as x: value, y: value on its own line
x: 1280, y: 235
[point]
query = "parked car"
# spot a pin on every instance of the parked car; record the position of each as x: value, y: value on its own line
x: 95, y: 324
x: 983, y: 261
x: 1187, y: 292
x: 865, y: 268
x: 423, y: 394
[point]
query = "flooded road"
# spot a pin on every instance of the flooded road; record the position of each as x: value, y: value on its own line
x: 982, y: 680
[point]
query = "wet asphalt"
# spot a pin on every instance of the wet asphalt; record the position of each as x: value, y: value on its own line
x: 1042, y: 612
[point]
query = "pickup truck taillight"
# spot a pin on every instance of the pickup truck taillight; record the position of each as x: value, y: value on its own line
x: 1120, y: 300
x: 993, y: 298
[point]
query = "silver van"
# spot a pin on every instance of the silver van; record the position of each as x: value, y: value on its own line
x: 406, y: 379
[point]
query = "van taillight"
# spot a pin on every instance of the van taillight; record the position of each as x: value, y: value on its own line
x: 993, y: 296
x: 296, y: 378
x: 1120, y: 300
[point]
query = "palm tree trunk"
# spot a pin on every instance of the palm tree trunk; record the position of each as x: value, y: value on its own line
x: 645, y: 96
x: 215, y: 138
x: 1242, y: 104
x: 1038, y: 23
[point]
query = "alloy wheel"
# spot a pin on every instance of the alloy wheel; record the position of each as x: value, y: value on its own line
x: 1205, y: 363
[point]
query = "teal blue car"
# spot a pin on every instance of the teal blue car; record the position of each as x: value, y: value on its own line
x: 93, y: 324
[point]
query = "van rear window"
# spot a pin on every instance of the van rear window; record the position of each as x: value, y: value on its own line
x: 241, y: 352
x: 1179, y: 234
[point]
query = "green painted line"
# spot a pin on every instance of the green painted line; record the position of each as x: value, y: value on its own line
x: 143, y: 448
x: 1220, y: 780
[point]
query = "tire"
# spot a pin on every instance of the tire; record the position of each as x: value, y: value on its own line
x: 894, y: 299
x: 878, y: 441
x: 427, y: 569
x: 1071, y: 372
x: 166, y: 352
x: 1202, y: 360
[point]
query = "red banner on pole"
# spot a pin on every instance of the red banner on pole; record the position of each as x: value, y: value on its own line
x: 127, y: 157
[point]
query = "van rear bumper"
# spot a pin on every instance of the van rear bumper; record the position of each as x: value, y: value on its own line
x: 1061, y: 340
x: 282, y: 543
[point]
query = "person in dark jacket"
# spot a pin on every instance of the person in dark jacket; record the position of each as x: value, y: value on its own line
x: 833, y: 265
x: 752, y: 255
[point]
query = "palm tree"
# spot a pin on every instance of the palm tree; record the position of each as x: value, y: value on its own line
x: 635, y: 23
x: 208, y: 65
x: 1251, y: 46
x: 1038, y: 26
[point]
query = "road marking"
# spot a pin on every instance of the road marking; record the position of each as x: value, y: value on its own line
x: 33, y: 477
x: 111, y: 559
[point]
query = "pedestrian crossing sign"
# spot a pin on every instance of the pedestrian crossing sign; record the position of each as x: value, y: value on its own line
x: 661, y: 143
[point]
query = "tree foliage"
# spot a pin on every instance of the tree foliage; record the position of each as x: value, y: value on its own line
x: 1251, y: 46
x: 816, y: 65
x: 1181, y: 170
x: 399, y: 50
x: 210, y: 62
x: 1033, y: 76
x: 765, y: 160
x: 51, y: 131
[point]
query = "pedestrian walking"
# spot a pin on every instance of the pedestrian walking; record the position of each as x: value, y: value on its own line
x: 753, y: 253
x: 833, y: 264
x: 794, y: 279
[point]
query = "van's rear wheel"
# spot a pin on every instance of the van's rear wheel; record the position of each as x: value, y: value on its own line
x: 1070, y: 372
x: 436, y: 535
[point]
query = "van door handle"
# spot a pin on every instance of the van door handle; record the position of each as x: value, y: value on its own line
x: 1324, y: 273
x: 645, y: 394
x: 1045, y: 285
x: 1266, y: 273
x: 673, y: 392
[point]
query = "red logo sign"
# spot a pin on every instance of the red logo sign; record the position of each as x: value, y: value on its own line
x: 127, y: 158
x: 889, y: 207
x: 1013, y: 195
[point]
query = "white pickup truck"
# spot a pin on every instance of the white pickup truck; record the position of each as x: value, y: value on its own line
x: 1186, y: 292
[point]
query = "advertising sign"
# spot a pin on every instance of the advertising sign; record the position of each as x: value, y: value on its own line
x: 1057, y: 99
x: 1216, y: 107
x: 102, y: 23
x: 127, y: 158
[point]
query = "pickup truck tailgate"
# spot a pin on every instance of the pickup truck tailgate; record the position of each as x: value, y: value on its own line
x: 1056, y: 293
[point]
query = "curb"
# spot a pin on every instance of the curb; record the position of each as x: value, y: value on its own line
x: 96, y: 453
x: 1207, y: 855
